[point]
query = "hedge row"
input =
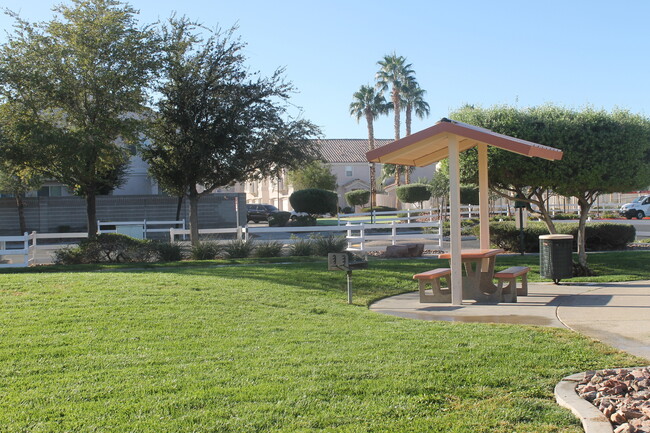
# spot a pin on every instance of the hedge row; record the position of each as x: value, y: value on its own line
x: 599, y: 236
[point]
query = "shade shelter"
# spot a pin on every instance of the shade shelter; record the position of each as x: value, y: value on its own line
x: 446, y: 139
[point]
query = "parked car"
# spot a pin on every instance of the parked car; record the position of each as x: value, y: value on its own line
x: 639, y: 208
x: 259, y: 212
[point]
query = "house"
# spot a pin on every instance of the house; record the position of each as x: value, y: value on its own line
x: 347, y: 161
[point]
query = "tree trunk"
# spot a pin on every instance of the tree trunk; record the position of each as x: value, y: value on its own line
x: 585, y: 206
x: 91, y: 213
x: 371, y: 146
x: 194, y: 216
x: 544, y: 211
x: 20, y: 206
x: 179, y: 207
x: 407, y: 121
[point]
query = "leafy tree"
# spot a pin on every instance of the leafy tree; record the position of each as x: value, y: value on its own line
x: 366, y: 102
x: 358, y: 197
x: 314, y: 201
x: 393, y: 74
x: 217, y: 123
x: 413, y: 193
x: 313, y: 175
x: 413, y: 101
x: 604, y: 152
x: 18, y: 182
x: 79, y: 83
x: 469, y: 194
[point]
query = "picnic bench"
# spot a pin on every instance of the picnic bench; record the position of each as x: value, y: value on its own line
x: 509, y: 293
x: 432, y: 278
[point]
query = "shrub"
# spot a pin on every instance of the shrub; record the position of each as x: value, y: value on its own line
x: 303, y: 221
x: 469, y: 195
x: 108, y: 248
x: 565, y: 216
x: 279, y: 219
x: 413, y: 193
x: 239, y: 249
x: 169, y: 251
x: 610, y: 215
x: 358, y: 197
x: 346, y: 209
x: 598, y: 236
x: 205, y: 251
x: 324, y: 245
x: 601, y: 236
x: 268, y: 249
x: 314, y: 201
x: 301, y: 247
x: 68, y: 256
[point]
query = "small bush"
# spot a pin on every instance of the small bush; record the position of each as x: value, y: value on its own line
x: 598, y: 236
x: 357, y: 197
x: 169, y: 251
x: 501, y: 218
x: 610, y: 215
x: 108, y: 248
x: 314, y: 201
x: 279, y: 219
x: 303, y: 221
x: 205, y: 251
x: 68, y: 256
x: 346, y: 210
x: 301, y: 247
x: 565, y: 216
x: 268, y: 249
x: 413, y: 193
x: 324, y: 245
x: 239, y: 249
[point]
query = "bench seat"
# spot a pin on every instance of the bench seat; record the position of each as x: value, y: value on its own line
x: 432, y: 278
x: 510, y: 292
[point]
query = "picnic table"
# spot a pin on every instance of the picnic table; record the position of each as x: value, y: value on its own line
x: 478, y: 274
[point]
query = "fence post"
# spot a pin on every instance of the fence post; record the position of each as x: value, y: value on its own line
x: 171, y: 234
x: 440, y: 232
x: 362, y: 234
x: 393, y: 232
x: 144, y: 226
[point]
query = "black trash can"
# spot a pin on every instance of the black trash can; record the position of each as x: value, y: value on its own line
x: 555, y: 257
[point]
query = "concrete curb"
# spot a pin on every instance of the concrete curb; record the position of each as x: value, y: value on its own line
x: 592, y: 419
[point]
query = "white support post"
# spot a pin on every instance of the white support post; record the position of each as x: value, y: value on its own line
x: 440, y: 232
x: 454, y: 221
x: 393, y: 233
x: 484, y: 212
x: 144, y: 228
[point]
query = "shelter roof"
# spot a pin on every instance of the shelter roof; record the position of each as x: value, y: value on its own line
x: 430, y: 145
x: 352, y: 150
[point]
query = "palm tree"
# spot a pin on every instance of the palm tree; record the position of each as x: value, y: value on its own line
x: 394, y: 73
x: 413, y: 100
x: 370, y: 104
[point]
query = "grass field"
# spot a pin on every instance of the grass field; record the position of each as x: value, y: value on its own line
x: 273, y: 347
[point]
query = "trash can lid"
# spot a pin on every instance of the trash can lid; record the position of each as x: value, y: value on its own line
x: 556, y: 237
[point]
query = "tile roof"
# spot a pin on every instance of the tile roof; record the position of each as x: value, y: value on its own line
x: 347, y: 149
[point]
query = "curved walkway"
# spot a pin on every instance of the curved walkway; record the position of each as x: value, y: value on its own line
x: 615, y: 313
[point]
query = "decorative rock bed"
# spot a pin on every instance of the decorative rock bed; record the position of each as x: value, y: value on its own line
x: 622, y: 395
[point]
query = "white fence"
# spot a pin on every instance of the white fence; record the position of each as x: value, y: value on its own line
x: 358, y: 235
x: 23, y: 243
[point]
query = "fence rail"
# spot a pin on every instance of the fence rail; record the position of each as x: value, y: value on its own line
x: 138, y: 229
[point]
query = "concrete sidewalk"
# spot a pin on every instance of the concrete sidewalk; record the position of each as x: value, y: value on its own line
x: 615, y: 313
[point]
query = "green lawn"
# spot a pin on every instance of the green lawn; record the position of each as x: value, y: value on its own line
x: 270, y: 347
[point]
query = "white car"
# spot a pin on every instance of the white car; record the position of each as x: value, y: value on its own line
x: 639, y: 208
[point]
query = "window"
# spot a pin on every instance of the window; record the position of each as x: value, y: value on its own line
x: 348, y: 171
x: 51, y: 191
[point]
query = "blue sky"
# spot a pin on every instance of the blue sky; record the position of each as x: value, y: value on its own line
x: 521, y: 53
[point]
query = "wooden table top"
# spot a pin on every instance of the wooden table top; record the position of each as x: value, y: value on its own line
x: 477, y: 253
